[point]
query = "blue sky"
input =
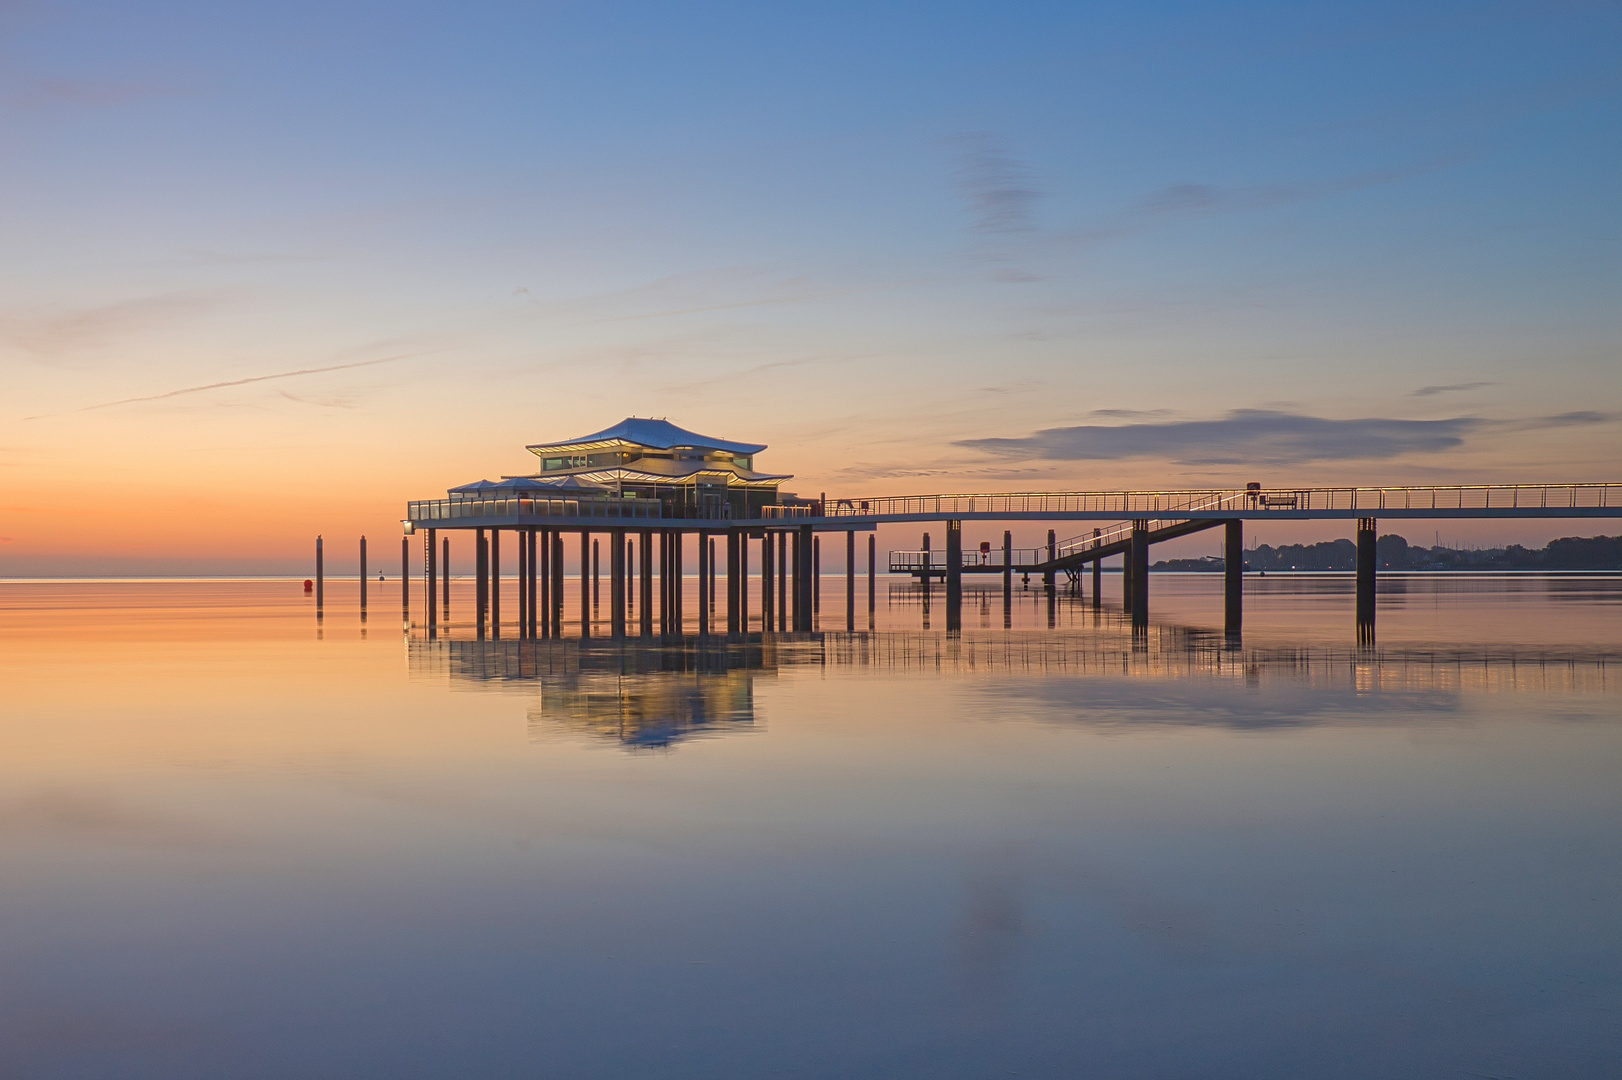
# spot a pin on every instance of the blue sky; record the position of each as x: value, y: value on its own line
x: 896, y: 242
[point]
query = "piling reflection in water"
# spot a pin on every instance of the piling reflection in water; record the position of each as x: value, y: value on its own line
x: 651, y: 694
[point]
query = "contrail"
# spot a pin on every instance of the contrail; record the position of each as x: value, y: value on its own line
x: 220, y: 385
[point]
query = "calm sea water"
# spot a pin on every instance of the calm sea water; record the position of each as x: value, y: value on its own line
x: 239, y: 842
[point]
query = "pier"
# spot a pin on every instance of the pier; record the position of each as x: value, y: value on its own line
x: 646, y: 484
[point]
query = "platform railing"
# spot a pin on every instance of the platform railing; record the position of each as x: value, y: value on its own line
x: 432, y: 510
x: 912, y: 562
x: 1169, y: 503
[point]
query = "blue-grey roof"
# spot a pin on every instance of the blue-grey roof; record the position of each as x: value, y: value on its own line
x: 507, y: 488
x: 657, y: 434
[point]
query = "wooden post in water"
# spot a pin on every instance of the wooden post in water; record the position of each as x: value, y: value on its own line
x: 647, y: 583
x: 711, y: 596
x: 782, y: 612
x: 677, y: 547
x: 732, y: 583
x: 1053, y: 555
x: 816, y: 575
x: 704, y: 551
x: 320, y: 578
x: 616, y: 581
x: 743, y: 584
x: 767, y: 588
x: 872, y: 576
x: 405, y: 577
x: 557, y: 583
x: 523, y: 583
x: 534, y: 582
x: 1007, y: 579
x: 585, y: 584
x: 664, y: 582
x: 954, y: 576
x: 1126, y: 580
x: 1367, y: 553
x: 796, y: 580
x: 481, y: 595
x: 803, y: 603
x: 431, y: 575
x: 363, y: 578
x: 850, y: 581
x: 1098, y: 572
x: 445, y: 575
x: 1140, y: 573
x: 495, y: 583
x: 595, y: 568
x: 544, y: 543
x: 1233, y: 577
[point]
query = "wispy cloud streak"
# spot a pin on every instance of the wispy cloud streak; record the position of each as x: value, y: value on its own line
x: 1449, y: 388
x: 222, y: 385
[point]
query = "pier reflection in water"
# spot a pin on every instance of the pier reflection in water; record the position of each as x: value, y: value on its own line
x: 241, y: 842
x: 652, y: 694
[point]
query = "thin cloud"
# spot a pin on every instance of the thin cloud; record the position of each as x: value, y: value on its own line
x: 1000, y: 197
x: 1174, y: 202
x: 1210, y: 198
x: 1260, y: 436
x: 222, y: 385
x: 997, y: 187
x: 57, y: 333
x: 1450, y: 388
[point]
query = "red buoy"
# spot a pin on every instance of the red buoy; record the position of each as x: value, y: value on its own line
x: 308, y: 585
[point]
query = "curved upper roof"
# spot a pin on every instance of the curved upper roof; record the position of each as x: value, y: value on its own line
x: 654, y: 434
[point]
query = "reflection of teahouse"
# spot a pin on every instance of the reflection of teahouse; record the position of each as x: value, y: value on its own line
x: 652, y: 459
x: 649, y: 711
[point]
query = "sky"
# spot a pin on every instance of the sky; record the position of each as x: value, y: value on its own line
x: 270, y: 271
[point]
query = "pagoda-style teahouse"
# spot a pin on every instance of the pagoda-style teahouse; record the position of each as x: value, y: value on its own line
x: 647, y: 484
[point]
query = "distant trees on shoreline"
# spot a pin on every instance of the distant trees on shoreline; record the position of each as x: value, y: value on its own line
x: 1396, y: 553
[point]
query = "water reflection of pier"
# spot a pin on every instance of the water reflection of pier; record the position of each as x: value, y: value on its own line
x: 652, y: 694
x: 643, y: 694
x: 1171, y: 653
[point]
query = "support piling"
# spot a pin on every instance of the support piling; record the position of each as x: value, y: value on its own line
x: 430, y: 579
x: 1367, y: 552
x: 1233, y: 577
x: 616, y: 589
x: 802, y: 603
x: 646, y: 583
x: 850, y: 581
x: 1140, y: 573
x: 585, y: 584
x: 1098, y: 573
x: 481, y: 580
x: 704, y: 550
x: 495, y: 583
x: 872, y: 577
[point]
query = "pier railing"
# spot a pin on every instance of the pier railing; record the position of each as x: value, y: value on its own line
x: 433, y: 510
x: 1163, y: 507
x: 1208, y: 501
x: 913, y: 562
